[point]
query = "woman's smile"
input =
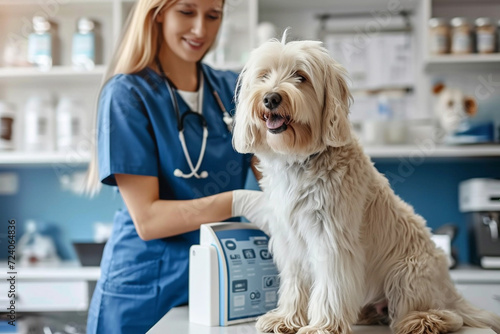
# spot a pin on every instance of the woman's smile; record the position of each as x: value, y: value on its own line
x: 194, y: 44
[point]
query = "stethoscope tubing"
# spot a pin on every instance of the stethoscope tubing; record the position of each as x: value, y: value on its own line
x: 228, y: 120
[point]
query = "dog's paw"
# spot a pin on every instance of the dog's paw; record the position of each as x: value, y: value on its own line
x: 324, y: 330
x: 429, y: 322
x: 275, y: 323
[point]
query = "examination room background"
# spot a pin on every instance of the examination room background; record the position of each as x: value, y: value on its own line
x: 431, y: 187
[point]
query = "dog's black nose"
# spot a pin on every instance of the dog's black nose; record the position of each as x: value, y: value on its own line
x: 272, y: 100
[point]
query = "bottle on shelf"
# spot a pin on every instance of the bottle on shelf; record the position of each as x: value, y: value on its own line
x: 374, y: 127
x: 71, y: 124
x: 7, y: 117
x: 83, y: 48
x: 439, y: 36
x: 461, y: 38
x: 40, y: 44
x: 485, y: 35
x: 39, y: 124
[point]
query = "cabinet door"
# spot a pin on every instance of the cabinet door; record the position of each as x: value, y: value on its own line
x: 485, y: 296
x: 49, y: 296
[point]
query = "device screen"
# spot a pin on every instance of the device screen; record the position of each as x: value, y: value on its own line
x: 253, y: 279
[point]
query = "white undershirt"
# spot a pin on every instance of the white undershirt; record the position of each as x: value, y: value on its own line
x: 193, y: 99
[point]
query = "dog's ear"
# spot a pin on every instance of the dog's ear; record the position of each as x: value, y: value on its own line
x: 470, y: 106
x: 336, y: 126
x: 245, y: 132
x: 438, y: 88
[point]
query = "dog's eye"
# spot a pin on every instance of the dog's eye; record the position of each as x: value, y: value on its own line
x: 264, y: 76
x: 300, y: 77
x: 450, y: 104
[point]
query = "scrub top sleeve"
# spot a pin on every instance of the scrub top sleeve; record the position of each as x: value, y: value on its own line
x: 126, y: 143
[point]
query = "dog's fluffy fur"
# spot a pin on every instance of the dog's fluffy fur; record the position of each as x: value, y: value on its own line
x: 345, y: 245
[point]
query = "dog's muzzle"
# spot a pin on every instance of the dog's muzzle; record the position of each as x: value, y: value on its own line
x: 274, y: 121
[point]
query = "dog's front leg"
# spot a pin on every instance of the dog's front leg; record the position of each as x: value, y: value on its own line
x: 337, y: 292
x: 291, y: 313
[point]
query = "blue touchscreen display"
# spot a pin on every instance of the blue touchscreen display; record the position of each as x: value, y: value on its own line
x: 253, y: 279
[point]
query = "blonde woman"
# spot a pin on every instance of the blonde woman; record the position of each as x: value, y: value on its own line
x: 164, y: 138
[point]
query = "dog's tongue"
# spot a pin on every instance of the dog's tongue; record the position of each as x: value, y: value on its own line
x: 274, y: 122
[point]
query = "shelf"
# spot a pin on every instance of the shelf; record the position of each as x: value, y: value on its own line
x: 57, y: 72
x: 43, y: 159
x: 65, y: 2
x: 466, y: 151
x: 462, y: 2
x: 365, y: 6
x: 372, y: 89
x: 469, y: 60
x: 376, y: 152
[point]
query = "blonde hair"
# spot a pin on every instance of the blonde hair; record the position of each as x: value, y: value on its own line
x: 138, y: 48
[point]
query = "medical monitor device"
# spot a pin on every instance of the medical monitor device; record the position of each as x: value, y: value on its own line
x: 232, y: 277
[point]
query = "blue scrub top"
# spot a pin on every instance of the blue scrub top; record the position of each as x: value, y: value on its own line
x: 137, y: 134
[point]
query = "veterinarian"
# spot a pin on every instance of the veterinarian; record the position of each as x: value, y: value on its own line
x: 164, y: 138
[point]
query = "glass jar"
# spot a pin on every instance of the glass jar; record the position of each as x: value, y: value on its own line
x: 485, y: 35
x: 461, y: 40
x: 83, y: 48
x: 7, y: 117
x: 439, y: 36
x: 40, y: 44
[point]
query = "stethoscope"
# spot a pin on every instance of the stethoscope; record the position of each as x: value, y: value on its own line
x: 226, y: 117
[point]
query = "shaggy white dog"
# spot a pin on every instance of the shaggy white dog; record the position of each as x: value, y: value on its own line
x: 348, y: 249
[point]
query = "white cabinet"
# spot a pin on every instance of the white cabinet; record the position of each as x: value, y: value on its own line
x: 471, y: 69
x: 237, y: 37
x: 463, y: 8
x: 364, y: 20
x: 50, y: 296
x: 17, y: 84
x: 55, y: 287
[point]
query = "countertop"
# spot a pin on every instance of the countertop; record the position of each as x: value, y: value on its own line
x: 73, y: 270
x: 176, y: 321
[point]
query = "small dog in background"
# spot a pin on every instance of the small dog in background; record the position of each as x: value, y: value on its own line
x: 455, y: 114
x: 345, y: 245
x: 452, y: 107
